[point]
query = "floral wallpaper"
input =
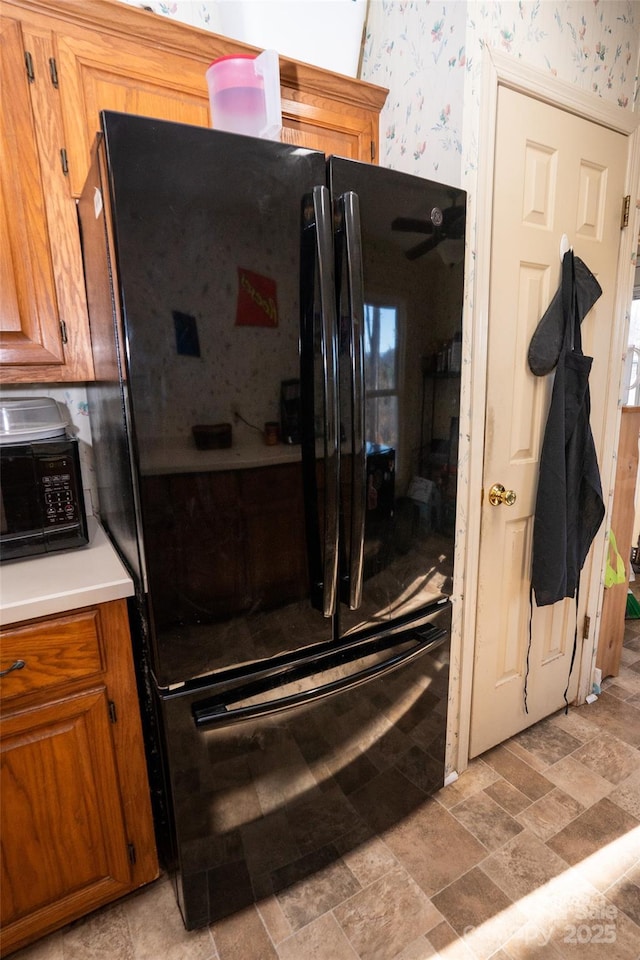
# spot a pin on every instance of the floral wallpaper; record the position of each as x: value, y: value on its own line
x: 428, y: 54
x: 417, y: 50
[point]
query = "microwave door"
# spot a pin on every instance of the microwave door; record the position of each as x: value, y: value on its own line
x: 22, y: 527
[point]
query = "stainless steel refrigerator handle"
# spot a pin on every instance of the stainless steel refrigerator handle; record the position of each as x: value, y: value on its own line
x: 355, y: 287
x: 216, y: 714
x: 327, y: 288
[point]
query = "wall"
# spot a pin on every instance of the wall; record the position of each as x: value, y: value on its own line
x: 417, y: 50
x: 326, y: 33
x: 429, y: 56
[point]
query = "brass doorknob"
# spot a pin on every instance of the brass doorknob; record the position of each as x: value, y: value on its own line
x: 498, y: 495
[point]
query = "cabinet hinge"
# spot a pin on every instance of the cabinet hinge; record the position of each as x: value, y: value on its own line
x: 53, y: 71
x: 112, y: 712
x: 373, y: 151
x: 131, y: 853
x: 586, y: 628
x: 626, y: 206
x: 28, y: 62
x: 64, y: 163
x: 63, y: 332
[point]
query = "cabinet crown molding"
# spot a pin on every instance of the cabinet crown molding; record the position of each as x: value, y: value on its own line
x: 120, y: 19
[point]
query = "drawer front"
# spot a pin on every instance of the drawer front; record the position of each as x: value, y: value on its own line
x: 54, y: 652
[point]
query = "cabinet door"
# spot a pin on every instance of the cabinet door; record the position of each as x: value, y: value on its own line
x: 331, y: 125
x: 41, y: 280
x: 101, y: 72
x: 63, y: 833
x: 30, y: 331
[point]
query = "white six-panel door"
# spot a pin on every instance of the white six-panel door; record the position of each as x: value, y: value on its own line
x: 555, y: 173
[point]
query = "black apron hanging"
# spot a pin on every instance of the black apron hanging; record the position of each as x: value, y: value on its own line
x: 569, y: 506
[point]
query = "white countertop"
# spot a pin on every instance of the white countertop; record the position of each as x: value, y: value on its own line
x: 57, y: 582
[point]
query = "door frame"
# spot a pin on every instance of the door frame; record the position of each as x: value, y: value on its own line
x: 499, y: 69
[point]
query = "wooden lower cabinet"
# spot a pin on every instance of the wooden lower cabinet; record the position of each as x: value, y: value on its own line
x: 75, y: 817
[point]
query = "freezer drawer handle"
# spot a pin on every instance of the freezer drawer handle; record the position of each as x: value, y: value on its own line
x: 214, y: 712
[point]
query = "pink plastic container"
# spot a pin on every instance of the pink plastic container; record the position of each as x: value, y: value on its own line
x: 244, y: 94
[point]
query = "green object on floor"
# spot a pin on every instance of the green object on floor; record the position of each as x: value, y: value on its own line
x: 633, y: 607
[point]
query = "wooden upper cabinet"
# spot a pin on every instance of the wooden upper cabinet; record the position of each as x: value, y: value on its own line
x: 30, y: 306
x: 113, y: 73
x: 44, y: 328
x: 112, y: 56
x: 28, y: 292
x: 106, y: 55
x: 331, y: 126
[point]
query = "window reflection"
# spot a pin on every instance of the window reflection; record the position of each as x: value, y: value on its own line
x: 381, y: 374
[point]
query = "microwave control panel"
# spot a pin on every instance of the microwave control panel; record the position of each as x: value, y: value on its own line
x: 60, y: 498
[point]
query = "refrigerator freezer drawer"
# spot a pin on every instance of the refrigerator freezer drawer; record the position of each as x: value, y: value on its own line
x: 262, y: 803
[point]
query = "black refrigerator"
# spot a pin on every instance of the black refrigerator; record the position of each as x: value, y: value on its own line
x: 275, y: 419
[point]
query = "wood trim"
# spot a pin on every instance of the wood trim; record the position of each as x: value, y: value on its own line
x: 620, y: 321
x: 122, y: 20
x: 614, y: 602
x: 128, y: 740
x: 478, y: 325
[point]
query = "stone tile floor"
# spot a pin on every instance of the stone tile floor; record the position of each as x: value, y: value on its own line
x: 533, y: 852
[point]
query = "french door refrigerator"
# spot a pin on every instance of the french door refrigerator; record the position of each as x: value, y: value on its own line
x: 293, y: 554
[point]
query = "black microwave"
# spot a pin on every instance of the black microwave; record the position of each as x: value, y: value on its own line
x: 41, y: 500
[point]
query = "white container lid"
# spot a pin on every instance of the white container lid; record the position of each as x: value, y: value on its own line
x: 30, y: 418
